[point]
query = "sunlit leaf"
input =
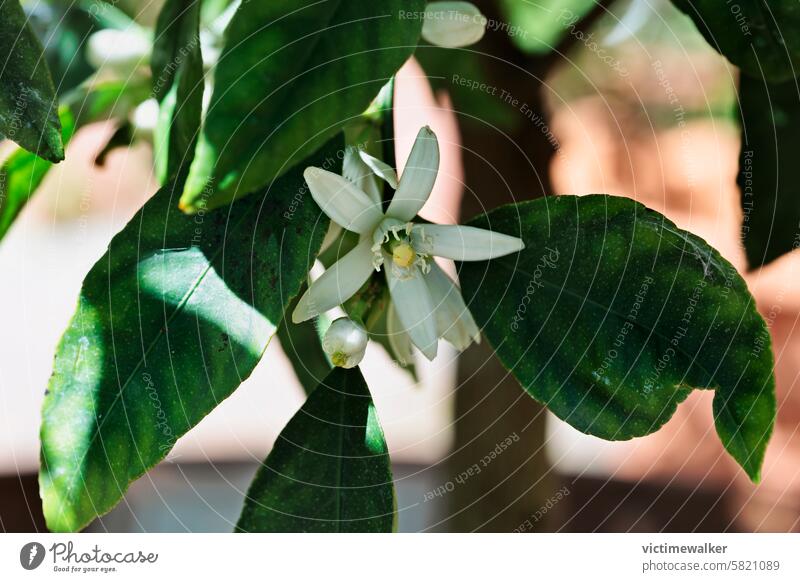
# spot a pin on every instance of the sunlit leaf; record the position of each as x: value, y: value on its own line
x: 169, y: 322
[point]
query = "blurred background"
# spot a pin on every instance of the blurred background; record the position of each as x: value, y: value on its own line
x: 560, y: 97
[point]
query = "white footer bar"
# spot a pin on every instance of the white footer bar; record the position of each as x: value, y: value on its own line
x: 618, y: 557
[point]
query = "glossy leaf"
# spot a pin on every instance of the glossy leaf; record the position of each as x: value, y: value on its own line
x: 329, y: 470
x: 612, y: 315
x: 28, y: 105
x: 23, y: 172
x: 169, y: 323
x: 178, y: 84
x: 759, y: 37
x: 291, y: 75
x: 769, y: 173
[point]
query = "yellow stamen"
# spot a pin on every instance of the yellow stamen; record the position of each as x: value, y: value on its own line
x: 404, y: 255
x: 339, y: 359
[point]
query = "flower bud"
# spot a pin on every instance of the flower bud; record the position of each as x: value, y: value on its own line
x: 345, y: 342
x: 144, y: 119
x: 118, y: 51
x: 453, y: 24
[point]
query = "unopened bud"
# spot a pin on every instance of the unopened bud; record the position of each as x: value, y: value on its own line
x: 453, y: 24
x: 118, y: 51
x: 345, y: 342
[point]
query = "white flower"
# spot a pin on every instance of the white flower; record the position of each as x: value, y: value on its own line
x: 345, y: 342
x: 426, y: 302
x: 453, y: 24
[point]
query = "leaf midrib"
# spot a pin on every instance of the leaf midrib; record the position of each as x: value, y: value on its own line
x: 158, y: 337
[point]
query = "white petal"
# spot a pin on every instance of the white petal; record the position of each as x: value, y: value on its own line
x: 337, y: 284
x: 334, y: 230
x: 418, y: 178
x: 414, y: 307
x: 453, y: 24
x: 360, y: 174
x: 454, y: 322
x: 398, y: 338
x: 342, y: 201
x: 464, y: 243
x: 381, y: 168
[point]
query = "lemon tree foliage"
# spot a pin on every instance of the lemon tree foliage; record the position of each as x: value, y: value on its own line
x: 272, y: 132
x: 291, y: 75
x: 329, y: 470
x: 769, y: 175
x: 169, y: 322
x: 756, y: 35
x: 612, y: 315
x: 28, y: 109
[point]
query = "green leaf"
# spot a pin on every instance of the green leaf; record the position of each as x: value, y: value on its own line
x: 22, y: 173
x: 612, y: 315
x: 537, y: 27
x: 760, y: 37
x: 769, y: 173
x: 102, y: 100
x: 170, y: 321
x: 64, y: 29
x: 107, y: 14
x: 291, y: 75
x: 329, y: 470
x: 178, y: 85
x: 302, y: 344
x: 28, y: 106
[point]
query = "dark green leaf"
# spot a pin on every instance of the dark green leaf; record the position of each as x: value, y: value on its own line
x: 612, y: 315
x: 291, y: 75
x: 769, y: 172
x: 28, y: 105
x: 22, y: 173
x: 169, y: 323
x: 178, y: 84
x: 329, y: 470
x: 760, y: 37
x: 302, y: 344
